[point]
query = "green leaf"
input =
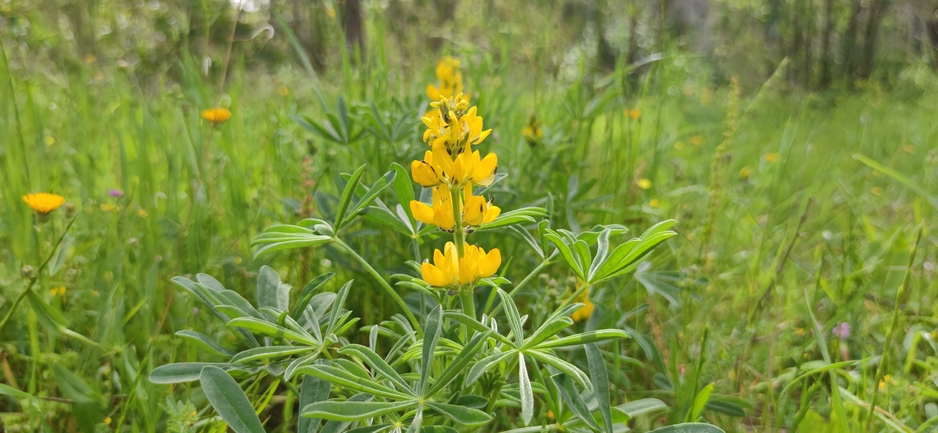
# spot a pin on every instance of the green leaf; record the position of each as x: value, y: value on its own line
x: 475, y: 325
x: 267, y: 352
x: 271, y: 292
x: 573, y: 400
x: 584, y: 338
x: 597, y: 367
x: 50, y: 319
x: 371, y: 194
x: 290, y: 243
x: 691, y: 427
x: 312, y: 390
x: 525, y: 391
x: 636, y: 408
x: 377, y: 364
x: 485, y: 364
x: 271, y: 330
x: 568, y: 254
x: 431, y: 336
x: 342, y: 377
x: 205, y: 342
x: 513, y: 316
x: 466, y: 416
x: 307, y: 294
x: 565, y: 367
x: 458, y: 364
x: 229, y: 401
x: 602, y: 252
x: 351, y: 411
x: 15, y: 393
x: 550, y: 328
x: 340, y: 426
x: 700, y: 401
x: 180, y: 372
x: 404, y: 190
x: 346, y: 199
x: 386, y: 218
x: 525, y: 215
x: 899, y: 177
x: 340, y: 298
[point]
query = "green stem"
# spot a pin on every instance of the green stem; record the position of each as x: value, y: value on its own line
x: 570, y: 299
x: 459, y: 237
x: 33, y: 281
x: 890, y: 333
x: 468, y: 302
x: 384, y: 284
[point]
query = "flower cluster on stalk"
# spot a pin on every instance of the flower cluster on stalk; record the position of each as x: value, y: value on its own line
x: 452, y: 169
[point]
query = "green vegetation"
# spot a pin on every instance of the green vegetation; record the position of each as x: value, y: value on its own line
x: 789, y: 282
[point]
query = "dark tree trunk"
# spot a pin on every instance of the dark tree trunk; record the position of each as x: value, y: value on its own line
x: 868, y: 54
x: 850, y: 40
x: 352, y: 25
x: 826, y: 60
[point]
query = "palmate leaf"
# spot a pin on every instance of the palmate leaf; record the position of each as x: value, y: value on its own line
x: 341, y: 377
x: 466, y: 416
x: 458, y: 364
x: 271, y: 292
x: 205, y: 342
x: 573, y: 400
x: 267, y: 352
x: 377, y: 364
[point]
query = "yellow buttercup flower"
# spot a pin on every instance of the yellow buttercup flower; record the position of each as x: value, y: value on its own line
x: 44, y: 203
x: 634, y: 113
x: 745, y: 172
x: 107, y: 207
x: 696, y: 140
x: 216, y: 115
x: 57, y: 291
x: 643, y: 183
x: 771, y: 157
x: 450, y: 270
x: 654, y: 202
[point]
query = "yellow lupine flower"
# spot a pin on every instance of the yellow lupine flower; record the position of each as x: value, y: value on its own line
x: 585, y: 312
x: 439, y: 212
x: 57, y: 291
x: 424, y: 173
x: 532, y: 132
x: 447, y: 71
x: 475, y: 210
x: 44, y: 203
x: 438, y: 166
x: 448, y: 269
x: 216, y: 115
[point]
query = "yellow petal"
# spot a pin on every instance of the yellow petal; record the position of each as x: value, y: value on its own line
x: 489, y: 263
x: 424, y: 174
x: 432, y: 92
x: 484, y: 172
x: 421, y: 212
x: 433, y: 275
x: 482, y: 136
x: 491, y: 213
x: 474, y: 210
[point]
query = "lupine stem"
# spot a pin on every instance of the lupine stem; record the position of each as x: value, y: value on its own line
x: 384, y: 284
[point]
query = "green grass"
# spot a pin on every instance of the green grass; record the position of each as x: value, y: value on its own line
x: 810, y: 238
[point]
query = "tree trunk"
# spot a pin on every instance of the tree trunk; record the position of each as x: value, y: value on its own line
x: 850, y: 40
x: 826, y: 60
x: 354, y: 30
x: 868, y: 54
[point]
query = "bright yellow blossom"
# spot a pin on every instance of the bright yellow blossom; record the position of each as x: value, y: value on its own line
x: 475, y: 210
x: 532, y: 132
x: 57, y: 291
x: 216, y: 115
x: 771, y: 157
x: 44, y: 203
x: 447, y: 71
x: 634, y: 113
x: 448, y: 269
x: 643, y: 183
x: 585, y: 312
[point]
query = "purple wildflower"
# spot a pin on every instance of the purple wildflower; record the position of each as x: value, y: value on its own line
x: 116, y: 193
x: 841, y: 330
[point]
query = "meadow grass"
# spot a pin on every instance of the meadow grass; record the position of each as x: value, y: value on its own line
x: 785, y: 234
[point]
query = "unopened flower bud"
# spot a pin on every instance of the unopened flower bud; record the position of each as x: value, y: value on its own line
x: 28, y: 272
x: 70, y: 210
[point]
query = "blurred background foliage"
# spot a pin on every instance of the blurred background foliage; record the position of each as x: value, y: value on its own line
x: 740, y: 119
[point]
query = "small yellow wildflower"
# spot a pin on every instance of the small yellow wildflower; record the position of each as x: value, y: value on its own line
x: 98, y: 76
x: 679, y: 145
x: 50, y: 140
x: 876, y: 190
x: 330, y: 12
x: 933, y: 334
x: 634, y: 113
x: 237, y: 260
x: 771, y: 157
x: 643, y: 183
x: 283, y: 90
x: 585, y: 312
x: 696, y: 140
x: 654, y: 202
x: 550, y: 415
x: 107, y: 207
x: 532, y: 132
x: 908, y: 148
x: 800, y: 331
x: 887, y: 379
x: 57, y: 291
x: 90, y: 58
x: 43, y: 202
x: 744, y: 172
x: 107, y: 420
x: 142, y: 213
x: 216, y: 116
x: 450, y: 270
